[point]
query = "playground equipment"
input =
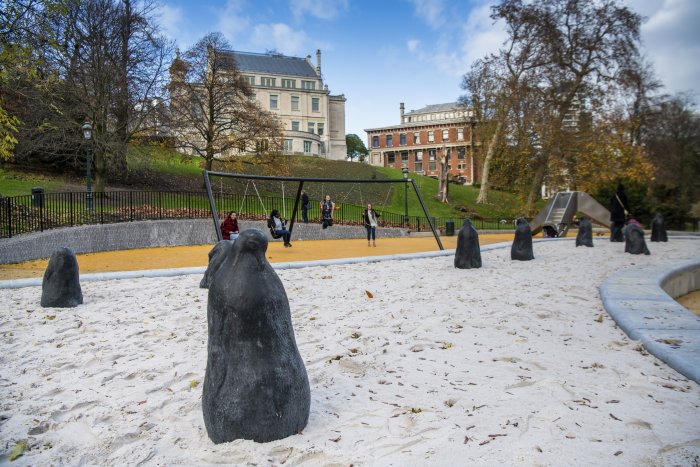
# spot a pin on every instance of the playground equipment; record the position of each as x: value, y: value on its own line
x: 558, y: 215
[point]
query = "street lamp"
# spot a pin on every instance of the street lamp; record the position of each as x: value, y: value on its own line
x: 87, y: 133
x: 405, y: 194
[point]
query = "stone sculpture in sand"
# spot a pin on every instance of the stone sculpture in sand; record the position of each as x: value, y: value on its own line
x: 521, y: 250
x: 256, y: 386
x: 584, y: 237
x: 216, y: 259
x: 61, y: 285
x: 468, y: 252
x: 634, y: 240
x: 658, y: 229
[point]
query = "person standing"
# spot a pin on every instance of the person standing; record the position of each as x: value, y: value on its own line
x: 229, y: 227
x: 619, y: 210
x: 371, y: 224
x: 327, y: 208
x: 304, y: 207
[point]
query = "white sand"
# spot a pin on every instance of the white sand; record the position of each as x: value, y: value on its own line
x: 503, y: 365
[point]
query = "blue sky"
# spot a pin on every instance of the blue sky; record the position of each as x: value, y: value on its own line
x: 383, y: 52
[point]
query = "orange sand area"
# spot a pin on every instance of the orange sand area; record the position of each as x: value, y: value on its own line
x: 193, y: 256
x: 691, y: 301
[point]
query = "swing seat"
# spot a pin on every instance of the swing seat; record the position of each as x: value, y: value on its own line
x: 273, y: 232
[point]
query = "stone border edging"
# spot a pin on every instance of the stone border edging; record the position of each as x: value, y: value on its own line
x: 639, y: 303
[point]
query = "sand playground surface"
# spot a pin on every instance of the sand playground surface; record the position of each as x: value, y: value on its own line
x: 410, y: 363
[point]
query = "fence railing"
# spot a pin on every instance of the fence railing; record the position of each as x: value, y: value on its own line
x: 43, y: 211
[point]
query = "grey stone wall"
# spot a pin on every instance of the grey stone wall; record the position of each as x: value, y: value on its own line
x: 147, y: 234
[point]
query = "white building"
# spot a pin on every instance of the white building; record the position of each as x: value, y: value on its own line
x: 293, y: 89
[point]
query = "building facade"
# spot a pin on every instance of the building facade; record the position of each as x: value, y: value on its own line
x: 292, y: 89
x: 423, y: 137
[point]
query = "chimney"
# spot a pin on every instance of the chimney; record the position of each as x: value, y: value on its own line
x: 308, y: 59
x: 401, y: 108
x: 318, y: 62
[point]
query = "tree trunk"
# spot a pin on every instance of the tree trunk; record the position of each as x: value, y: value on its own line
x: 483, y: 197
x: 100, y: 179
x: 118, y: 159
x: 536, y: 185
x: 443, y: 180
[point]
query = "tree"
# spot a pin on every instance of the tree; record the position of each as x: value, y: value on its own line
x: 213, y: 110
x: 356, y: 147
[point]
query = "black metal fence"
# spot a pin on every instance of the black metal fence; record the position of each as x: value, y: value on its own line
x: 43, y: 211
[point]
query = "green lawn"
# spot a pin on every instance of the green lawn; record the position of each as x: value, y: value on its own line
x: 14, y: 183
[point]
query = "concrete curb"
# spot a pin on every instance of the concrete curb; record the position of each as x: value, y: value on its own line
x: 642, y: 304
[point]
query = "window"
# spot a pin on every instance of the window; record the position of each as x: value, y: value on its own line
x: 295, y: 102
x: 416, y: 138
x: 250, y: 80
x: 273, y: 101
x: 418, y: 164
x: 315, y: 104
x: 404, y: 157
x: 289, y: 83
x: 288, y: 145
x: 389, y: 140
x: 402, y: 139
x: 431, y: 137
x: 269, y: 82
x: 390, y: 158
x: 461, y: 166
x: 319, y: 129
x: 295, y: 125
x: 310, y: 127
x: 375, y: 141
x: 308, y: 85
x: 431, y: 160
x: 460, y: 134
x: 461, y: 153
x: 445, y: 135
x: 307, y: 146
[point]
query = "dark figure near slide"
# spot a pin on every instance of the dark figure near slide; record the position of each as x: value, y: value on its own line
x: 216, y: 259
x: 61, y: 285
x: 619, y: 210
x: 584, y: 237
x: 658, y: 229
x: 468, y: 252
x: 255, y: 386
x: 522, y: 243
x: 634, y: 238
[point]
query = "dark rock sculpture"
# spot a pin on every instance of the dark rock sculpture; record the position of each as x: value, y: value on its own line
x: 521, y: 249
x: 216, y: 259
x: 584, y: 237
x: 256, y: 386
x: 658, y: 229
x: 619, y: 210
x: 634, y: 240
x: 61, y: 285
x: 468, y: 252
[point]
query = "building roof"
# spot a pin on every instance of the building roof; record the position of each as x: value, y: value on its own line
x: 412, y: 125
x: 273, y: 63
x: 436, y: 108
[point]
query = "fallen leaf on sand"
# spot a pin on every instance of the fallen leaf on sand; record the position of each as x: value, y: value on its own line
x: 194, y: 383
x: 369, y: 294
x: 18, y: 450
x: 416, y: 410
x: 617, y: 453
x: 599, y: 318
x: 50, y: 317
x: 615, y: 418
x: 447, y: 345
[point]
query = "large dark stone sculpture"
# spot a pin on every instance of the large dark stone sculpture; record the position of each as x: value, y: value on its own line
x: 658, y: 229
x: 584, y: 237
x: 256, y: 386
x: 634, y: 240
x: 216, y: 259
x: 61, y: 285
x: 468, y: 252
x: 521, y: 249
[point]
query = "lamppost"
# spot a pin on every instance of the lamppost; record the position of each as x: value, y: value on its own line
x: 405, y: 195
x: 87, y: 133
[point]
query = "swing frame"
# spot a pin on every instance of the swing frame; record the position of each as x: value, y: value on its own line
x: 215, y: 214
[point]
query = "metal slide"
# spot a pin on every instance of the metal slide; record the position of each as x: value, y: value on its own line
x: 558, y: 215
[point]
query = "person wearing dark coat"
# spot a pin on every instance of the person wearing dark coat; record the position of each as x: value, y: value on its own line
x: 468, y: 252
x: 584, y: 237
x: 305, y: 207
x: 634, y: 238
x: 521, y: 250
x: 619, y: 210
x: 658, y: 229
x: 229, y: 227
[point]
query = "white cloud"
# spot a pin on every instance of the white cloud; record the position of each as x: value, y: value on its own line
x: 231, y: 22
x: 280, y: 37
x: 431, y: 11
x: 321, y: 9
x: 170, y: 20
x: 412, y: 45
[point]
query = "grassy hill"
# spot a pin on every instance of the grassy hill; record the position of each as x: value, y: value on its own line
x: 158, y: 168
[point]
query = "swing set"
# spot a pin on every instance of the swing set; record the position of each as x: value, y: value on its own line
x: 301, y: 180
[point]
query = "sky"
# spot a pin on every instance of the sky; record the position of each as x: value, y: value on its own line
x: 382, y: 52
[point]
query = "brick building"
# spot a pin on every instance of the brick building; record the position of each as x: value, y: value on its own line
x: 422, y: 138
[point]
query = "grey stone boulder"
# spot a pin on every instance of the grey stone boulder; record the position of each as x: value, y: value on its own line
x: 61, y: 285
